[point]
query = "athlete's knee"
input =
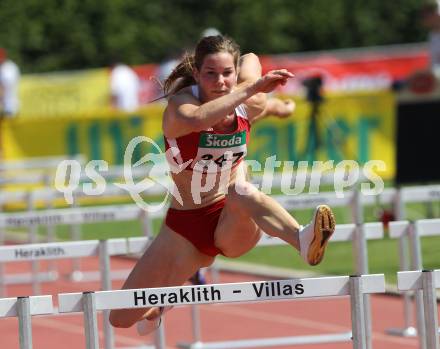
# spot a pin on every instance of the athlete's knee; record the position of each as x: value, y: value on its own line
x: 242, y: 192
x: 236, y: 249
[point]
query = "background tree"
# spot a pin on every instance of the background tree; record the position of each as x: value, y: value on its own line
x: 47, y: 35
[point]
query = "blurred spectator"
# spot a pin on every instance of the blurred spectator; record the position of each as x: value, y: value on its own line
x: 210, y: 32
x: 9, y: 79
x: 167, y: 66
x: 124, y: 86
x: 431, y: 20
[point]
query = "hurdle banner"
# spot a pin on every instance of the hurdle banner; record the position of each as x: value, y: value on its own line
x: 24, y: 308
x: 427, y: 281
x: 68, y: 250
x: 355, y: 286
x: 70, y: 216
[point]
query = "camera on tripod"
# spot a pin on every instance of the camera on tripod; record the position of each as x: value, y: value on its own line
x: 314, y: 88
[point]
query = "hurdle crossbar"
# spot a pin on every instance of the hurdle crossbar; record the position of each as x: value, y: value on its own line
x: 68, y: 250
x: 69, y: 216
x: 48, y: 162
x: 354, y: 286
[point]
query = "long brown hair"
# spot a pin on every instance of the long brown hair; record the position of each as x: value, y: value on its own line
x: 182, y: 74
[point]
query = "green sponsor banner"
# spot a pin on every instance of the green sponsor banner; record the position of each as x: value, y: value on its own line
x: 208, y: 140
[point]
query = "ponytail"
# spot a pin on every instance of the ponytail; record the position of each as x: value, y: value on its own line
x: 181, y: 76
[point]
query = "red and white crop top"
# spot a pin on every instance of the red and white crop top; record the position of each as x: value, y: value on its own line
x: 211, y: 150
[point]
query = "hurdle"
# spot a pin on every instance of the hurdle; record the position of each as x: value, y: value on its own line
x: 413, y: 232
x: 355, y: 201
x: 358, y: 233
x: 355, y: 286
x: 343, y: 232
x: 73, y: 217
x: 413, y: 194
x: 426, y: 281
x: 51, y: 274
x: 104, y: 249
x: 24, y: 308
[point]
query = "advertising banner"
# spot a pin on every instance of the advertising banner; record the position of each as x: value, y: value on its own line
x: 356, y: 127
x: 351, y: 70
x: 55, y: 94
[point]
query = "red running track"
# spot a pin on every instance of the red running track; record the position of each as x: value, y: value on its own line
x: 220, y: 322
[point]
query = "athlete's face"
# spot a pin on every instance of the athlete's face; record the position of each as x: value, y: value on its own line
x: 217, y: 76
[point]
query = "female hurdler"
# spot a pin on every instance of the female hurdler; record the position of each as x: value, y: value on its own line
x: 206, y: 124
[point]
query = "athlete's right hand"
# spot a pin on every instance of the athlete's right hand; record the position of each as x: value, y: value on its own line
x: 272, y: 79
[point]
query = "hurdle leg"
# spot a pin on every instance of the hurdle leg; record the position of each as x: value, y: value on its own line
x: 416, y: 253
x: 362, y: 269
x: 24, y: 322
x: 195, y: 316
x: 360, y: 246
x: 159, y: 337
x: 90, y: 321
x: 430, y: 307
x: 51, y: 237
x: 147, y: 224
x: 75, y: 234
x: 357, y: 313
x: 106, y: 284
x: 2, y: 268
x: 408, y: 329
x: 33, y: 238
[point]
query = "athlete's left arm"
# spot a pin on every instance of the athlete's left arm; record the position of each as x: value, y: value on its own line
x: 276, y: 107
x: 249, y: 70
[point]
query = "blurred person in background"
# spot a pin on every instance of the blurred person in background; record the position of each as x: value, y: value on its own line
x: 430, y: 18
x: 9, y: 80
x: 212, y: 101
x: 124, y: 88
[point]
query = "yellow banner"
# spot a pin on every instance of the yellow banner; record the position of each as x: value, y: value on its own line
x: 359, y: 127
x: 54, y: 94
x: 356, y: 127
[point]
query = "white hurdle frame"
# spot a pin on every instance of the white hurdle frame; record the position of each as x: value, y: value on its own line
x: 354, y: 286
x: 413, y: 232
x: 426, y: 281
x: 343, y: 232
x: 72, y: 216
x: 413, y: 194
x: 79, y: 249
x: 24, y: 308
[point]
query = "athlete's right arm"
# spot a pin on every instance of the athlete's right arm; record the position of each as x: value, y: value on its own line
x: 185, y: 114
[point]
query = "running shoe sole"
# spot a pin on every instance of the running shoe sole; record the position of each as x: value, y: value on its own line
x: 323, y: 229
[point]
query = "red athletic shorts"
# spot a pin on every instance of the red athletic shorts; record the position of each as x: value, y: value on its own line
x: 197, y: 225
